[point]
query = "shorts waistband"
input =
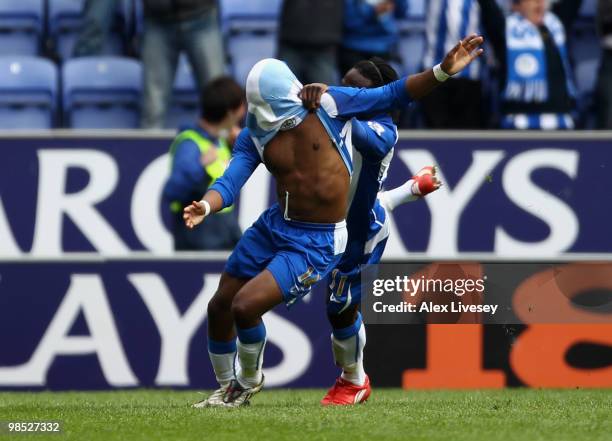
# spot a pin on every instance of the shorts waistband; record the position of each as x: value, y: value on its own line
x: 276, y: 210
x: 317, y: 226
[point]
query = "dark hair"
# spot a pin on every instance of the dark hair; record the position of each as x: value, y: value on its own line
x: 377, y: 70
x: 219, y: 97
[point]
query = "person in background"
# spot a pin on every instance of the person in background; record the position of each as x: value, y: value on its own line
x: 97, y: 21
x: 370, y: 30
x: 530, y: 46
x: 603, y: 91
x: 447, y: 22
x: 199, y: 155
x: 308, y: 42
x: 169, y: 28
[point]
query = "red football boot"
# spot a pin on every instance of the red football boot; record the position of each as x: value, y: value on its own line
x: 345, y: 393
x: 425, y: 181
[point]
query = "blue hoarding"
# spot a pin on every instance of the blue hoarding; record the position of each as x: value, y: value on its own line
x: 507, y: 194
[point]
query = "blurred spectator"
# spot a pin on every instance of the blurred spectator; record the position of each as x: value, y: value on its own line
x: 309, y: 35
x: 199, y: 156
x: 604, y: 82
x: 98, y: 18
x: 370, y: 29
x: 169, y: 28
x: 448, y: 21
x: 530, y: 46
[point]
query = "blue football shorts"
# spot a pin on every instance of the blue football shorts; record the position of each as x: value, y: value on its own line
x: 298, y: 254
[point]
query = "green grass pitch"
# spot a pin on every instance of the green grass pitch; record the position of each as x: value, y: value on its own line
x: 391, y: 414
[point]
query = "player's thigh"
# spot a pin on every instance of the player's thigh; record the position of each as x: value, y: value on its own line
x: 255, y: 298
x: 229, y: 286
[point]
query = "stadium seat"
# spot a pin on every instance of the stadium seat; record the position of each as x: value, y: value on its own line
x: 411, y: 50
x: 21, y: 25
x: 28, y: 92
x: 102, y: 92
x: 249, y: 15
x: 185, y: 98
x: 416, y: 9
x: 65, y: 18
x: 246, y: 49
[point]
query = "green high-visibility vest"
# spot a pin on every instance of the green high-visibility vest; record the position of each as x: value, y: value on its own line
x: 215, y: 169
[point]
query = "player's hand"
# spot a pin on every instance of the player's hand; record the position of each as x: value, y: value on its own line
x: 464, y: 52
x: 193, y: 214
x: 426, y: 181
x: 311, y: 95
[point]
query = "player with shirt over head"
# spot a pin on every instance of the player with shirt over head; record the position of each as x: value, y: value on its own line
x: 300, y: 239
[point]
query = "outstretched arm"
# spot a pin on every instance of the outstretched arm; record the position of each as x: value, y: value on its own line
x: 347, y: 102
x: 225, y: 189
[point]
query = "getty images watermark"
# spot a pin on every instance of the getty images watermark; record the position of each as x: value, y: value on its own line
x: 481, y: 292
x: 405, y: 286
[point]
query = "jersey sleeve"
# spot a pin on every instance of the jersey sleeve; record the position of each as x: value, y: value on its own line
x: 186, y: 173
x: 245, y: 160
x: 349, y: 102
x: 373, y: 139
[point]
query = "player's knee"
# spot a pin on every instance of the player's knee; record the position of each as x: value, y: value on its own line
x: 241, y: 308
x: 218, y: 305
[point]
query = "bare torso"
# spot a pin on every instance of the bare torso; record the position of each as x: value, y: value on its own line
x: 308, y: 166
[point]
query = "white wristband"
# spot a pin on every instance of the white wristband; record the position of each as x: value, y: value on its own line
x: 206, y: 207
x: 440, y: 75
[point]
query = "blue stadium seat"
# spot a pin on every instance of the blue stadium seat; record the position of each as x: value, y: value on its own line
x: 184, y: 108
x: 246, y: 49
x: 250, y: 26
x: 102, y: 92
x: 28, y: 92
x: 21, y: 25
x: 411, y: 50
x: 416, y: 9
x: 65, y: 19
x: 249, y: 15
